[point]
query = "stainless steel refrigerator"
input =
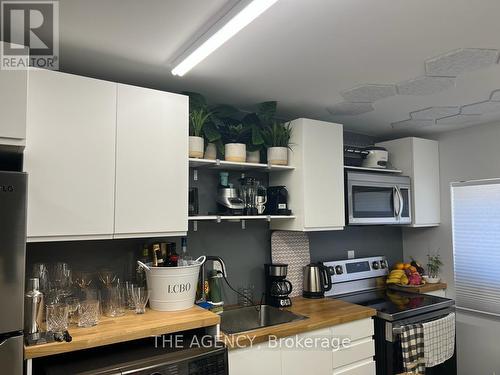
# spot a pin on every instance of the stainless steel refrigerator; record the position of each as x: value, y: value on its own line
x: 12, y: 263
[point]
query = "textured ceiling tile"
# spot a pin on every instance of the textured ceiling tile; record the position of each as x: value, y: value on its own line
x: 412, y: 124
x: 480, y: 108
x: 350, y: 109
x: 425, y: 85
x: 459, y: 120
x: 368, y: 93
x: 459, y: 61
x: 495, y: 96
x: 434, y: 113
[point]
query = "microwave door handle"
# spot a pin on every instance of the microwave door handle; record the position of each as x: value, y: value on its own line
x: 395, y: 199
x: 401, y: 202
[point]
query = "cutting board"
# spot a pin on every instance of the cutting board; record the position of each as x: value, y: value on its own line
x: 291, y: 248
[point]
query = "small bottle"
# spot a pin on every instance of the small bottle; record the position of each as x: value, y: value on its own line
x: 172, y: 257
x: 184, y: 258
x: 157, y: 259
x: 140, y: 274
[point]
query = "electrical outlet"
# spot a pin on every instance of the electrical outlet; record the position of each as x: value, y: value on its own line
x: 350, y: 254
x: 217, y: 266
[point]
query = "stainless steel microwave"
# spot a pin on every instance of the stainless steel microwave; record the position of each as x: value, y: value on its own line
x: 377, y: 198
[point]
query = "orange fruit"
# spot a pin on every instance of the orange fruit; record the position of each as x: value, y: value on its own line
x: 399, y: 266
x: 406, y: 265
x: 412, y: 269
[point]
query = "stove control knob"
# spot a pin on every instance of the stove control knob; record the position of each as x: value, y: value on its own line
x: 331, y: 271
x: 375, y: 265
x: 383, y: 264
x: 339, y: 270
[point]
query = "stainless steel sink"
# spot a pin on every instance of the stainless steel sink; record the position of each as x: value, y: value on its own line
x: 253, y: 317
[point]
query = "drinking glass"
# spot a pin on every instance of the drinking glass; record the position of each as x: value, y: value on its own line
x: 41, y: 271
x: 62, y: 278
x: 72, y: 303
x: 88, y: 313
x: 141, y: 297
x: 83, y: 279
x: 107, y: 277
x: 57, y: 317
x: 245, y: 295
x: 129, y: 299
x: 114, y: 300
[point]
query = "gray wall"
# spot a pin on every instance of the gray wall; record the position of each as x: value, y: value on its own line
x: 468, y: 154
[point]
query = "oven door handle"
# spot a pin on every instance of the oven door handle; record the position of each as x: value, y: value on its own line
x: 394, y: 329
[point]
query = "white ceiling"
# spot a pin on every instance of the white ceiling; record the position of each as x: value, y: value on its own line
x: 302, y: 53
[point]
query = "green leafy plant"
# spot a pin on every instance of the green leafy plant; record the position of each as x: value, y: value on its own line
x: 234, y: 133
x: 201, y: 118
x: 258, y: 121
x: 197, y: 120
x: 277, y: 135
x: 434, y: 264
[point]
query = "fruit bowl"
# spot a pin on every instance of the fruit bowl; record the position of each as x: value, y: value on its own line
x: 410, y: 286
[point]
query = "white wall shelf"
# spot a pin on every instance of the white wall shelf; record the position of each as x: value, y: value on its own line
x: 239, y: 218
x: 383, y: 170
x: 236, y: 166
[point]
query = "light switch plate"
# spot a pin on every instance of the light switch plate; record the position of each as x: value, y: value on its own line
x: 350, y: 254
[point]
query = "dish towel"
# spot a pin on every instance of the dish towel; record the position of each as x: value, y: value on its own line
x: 412, y: 347
x: 439, y: 340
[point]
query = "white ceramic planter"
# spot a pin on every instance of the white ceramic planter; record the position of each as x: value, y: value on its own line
x: 253, y: 156
x: 277, y: 155
x: 211, y: 151
x: 196, y: 146
x: 431, y: 280
x: 235, y: 152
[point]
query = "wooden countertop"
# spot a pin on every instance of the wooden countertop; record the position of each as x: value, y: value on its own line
x: 419, y: 289
x: 125, y: 328
x: 321, y: 313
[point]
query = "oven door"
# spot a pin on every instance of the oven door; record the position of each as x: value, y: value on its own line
x: 388, y: 354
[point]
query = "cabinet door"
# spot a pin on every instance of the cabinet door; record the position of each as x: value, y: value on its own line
x: 366, y: 367
x: 309, y: 359
x: 69, y: 156
x: 151, y: 163
x: 323, y: 170
x: 259, y: 359
x: 13, y: 99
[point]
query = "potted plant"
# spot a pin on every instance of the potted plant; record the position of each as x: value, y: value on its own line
x: 434, y: 264
x: 201, y: 127
x: 197, y: 120
x: 233, y: 136
x: 277, y: 140
x: 257, y: 121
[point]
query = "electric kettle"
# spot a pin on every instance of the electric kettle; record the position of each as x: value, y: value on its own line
x: 316, y: 281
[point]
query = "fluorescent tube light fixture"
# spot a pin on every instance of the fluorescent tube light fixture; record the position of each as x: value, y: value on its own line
x: 235, y: 20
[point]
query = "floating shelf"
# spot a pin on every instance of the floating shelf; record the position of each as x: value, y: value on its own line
x: 238, y: 218
x: 236, y: 166
x: 373, y: 169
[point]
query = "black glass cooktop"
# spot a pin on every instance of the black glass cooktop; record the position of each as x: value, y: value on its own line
x: 392, y: 305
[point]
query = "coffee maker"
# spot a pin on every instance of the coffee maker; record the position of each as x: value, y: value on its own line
x: 277, y: 286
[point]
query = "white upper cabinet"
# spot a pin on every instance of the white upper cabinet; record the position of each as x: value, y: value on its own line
x: 316, y: 186
x: 13, y: 99
x: 70, y: 157
x: 419, y: 159
x: 151, y: 163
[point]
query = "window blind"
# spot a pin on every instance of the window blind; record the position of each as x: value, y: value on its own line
x: 476, y: 244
